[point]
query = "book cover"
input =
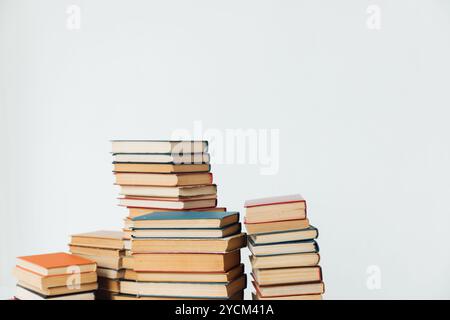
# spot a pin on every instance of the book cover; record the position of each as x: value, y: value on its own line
x: 274, y: 200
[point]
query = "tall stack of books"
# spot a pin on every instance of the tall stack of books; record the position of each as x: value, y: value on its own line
x: 107, y: 249
x: 55, y: 276
x: 168, y: 190
x: 285, y: 258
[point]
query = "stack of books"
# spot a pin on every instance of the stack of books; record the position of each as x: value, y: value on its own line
x: 171, y: 259
x: 285, y: 256
x: 107, y: 249
x: 55, y: 276
x: 186, y: 255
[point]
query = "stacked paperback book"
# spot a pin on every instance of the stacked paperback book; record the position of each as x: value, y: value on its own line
x: 106, y: 248
x: 55, y: 276
x: 179, y: 244
x: 285, y: 255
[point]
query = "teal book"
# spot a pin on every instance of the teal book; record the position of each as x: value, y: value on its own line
x: 185, y: 220
x: 281, y: 248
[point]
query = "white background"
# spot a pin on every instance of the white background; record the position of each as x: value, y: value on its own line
x: 363, y: 118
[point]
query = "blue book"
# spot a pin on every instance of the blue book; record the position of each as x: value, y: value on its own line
x: 282, y: 248
x: 185, y: 220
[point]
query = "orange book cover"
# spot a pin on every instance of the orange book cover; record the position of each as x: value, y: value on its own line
x: 55, y: 260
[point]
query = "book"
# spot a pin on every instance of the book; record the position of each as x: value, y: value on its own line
x: 163, y: 179
x: 265, y: 277
x: 186, y: 219
x: 98, y: 239
x: 45, y: 282
x: 169, y: 192
x: 105, y: 261
x: 184, y: 289
x: 175, y: 159
x: 289, y: 290
x: 110, y: 273
x: 185, y: 276
x: 168, y: 203
x: 256, y: 296
x: 285, y: 260
x: 135, y: 211
x: 285, y: 236
x: 160, y: 167
x: 55, y: 263
x: 90, y: 251
x: 187, y: 233
x: 27, y: 294
x: 186, y: 262
x: 128, y: 262
x: 158, y: 146
x: 58, y: 291
x: 292, y: 207
x: 237, y: 296
x: 192, y: 245
x: 268, y: 227
x: 282, y: 247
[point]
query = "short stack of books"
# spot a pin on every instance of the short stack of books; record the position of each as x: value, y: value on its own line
x: 186, y: 255
x: 285, y: 258
x: 55, y: 276
x: 173, y: 177
x: 107, y: 249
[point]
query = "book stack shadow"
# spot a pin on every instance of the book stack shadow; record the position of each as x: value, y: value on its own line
x: 284, y: 252
x: 179, y: 244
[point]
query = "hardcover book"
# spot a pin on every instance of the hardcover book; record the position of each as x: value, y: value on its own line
x: 186, y: 245
x: 290, y: 289
x: 187, y: 233
x: 302, y: 246
x: 159, y: 146
x: 278, y: 276
x: 163, y: 179
x: 27, y: 294
x: 169, y: 192
x: 175, y: 159
x: 186, y: 262
x: 292, y: 207
x: 99, y: 239
x: 160, y: 167
x: 186, y: 219
x: 136, y: 211
x: 186, y: 276
x: 184, y: 289
x: 278, y: 226
x: 55, y: 263
x: 309, y: 233
x: 285, y: 260
x: 168, y: 203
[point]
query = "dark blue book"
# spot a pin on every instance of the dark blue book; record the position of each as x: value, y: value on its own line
x: 309, y: 233
x: 185, y: 220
